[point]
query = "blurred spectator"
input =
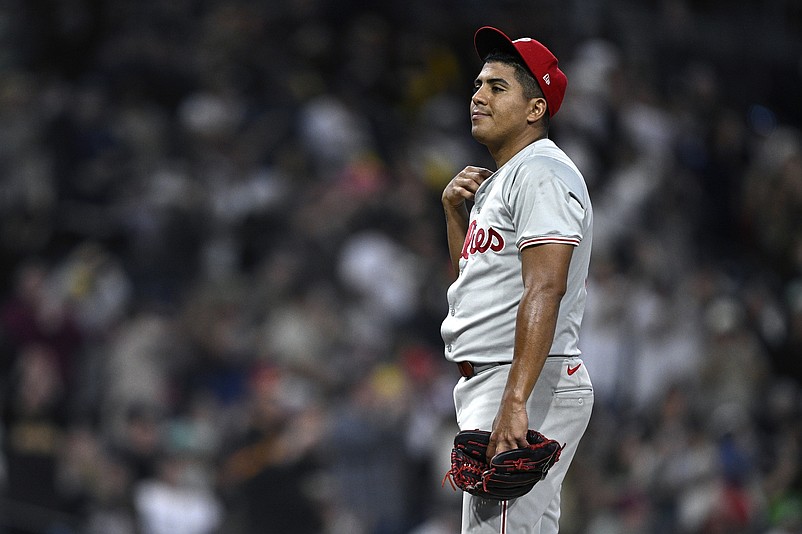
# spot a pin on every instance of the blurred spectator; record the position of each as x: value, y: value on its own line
x: 268, y: 471
x: 37, y: 314
x: 35, y: 425
x: 173, y: 502
x: 366, y: 437
x: 139, y: 443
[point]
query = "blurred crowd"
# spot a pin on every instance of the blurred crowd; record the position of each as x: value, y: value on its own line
x: 223, y: 262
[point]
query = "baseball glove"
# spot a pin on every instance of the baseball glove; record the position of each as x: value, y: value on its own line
x: 509, y: 474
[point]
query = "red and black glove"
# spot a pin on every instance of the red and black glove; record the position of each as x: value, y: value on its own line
x: 509, y: 474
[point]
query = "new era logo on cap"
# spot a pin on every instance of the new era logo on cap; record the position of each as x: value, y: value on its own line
x: 540, y: 61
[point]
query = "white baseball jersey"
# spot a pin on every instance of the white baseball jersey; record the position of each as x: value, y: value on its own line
x: 539, y: 196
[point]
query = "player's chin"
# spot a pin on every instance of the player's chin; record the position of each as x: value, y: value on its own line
x: 479, y: 133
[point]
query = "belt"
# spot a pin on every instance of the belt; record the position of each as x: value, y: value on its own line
x: 470, y: 369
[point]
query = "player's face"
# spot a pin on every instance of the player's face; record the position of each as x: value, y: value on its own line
x: 499, y: 109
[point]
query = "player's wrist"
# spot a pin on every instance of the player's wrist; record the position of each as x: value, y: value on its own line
x: 459, y: 209
x: 514, y: 401
x: 451, y: 201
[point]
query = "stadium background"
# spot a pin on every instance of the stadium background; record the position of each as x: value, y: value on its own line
x: 223, y: 262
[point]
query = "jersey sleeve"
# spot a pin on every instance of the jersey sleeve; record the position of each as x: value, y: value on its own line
x: 543, y: 206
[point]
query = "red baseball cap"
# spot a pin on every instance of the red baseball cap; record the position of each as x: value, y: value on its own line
x: 540, y: 61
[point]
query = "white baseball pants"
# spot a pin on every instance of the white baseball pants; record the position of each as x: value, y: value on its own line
x: 560, y: 408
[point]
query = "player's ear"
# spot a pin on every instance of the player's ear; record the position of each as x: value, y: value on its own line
x: 537, y: 108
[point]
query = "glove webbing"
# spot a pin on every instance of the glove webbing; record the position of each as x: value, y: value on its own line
x: 465, y: 472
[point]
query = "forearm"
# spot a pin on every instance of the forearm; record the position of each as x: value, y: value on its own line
x: 535, y: 325
x: 534, y: 334
x: 462, y: 188
x: 545, y: 274
x: 456, y: 230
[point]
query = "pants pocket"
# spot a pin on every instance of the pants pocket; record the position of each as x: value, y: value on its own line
x: 573, y: 396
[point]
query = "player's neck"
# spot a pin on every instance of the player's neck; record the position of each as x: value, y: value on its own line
x: 507, y: 151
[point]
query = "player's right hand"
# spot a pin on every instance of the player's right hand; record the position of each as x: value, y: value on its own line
x: 464, y: 185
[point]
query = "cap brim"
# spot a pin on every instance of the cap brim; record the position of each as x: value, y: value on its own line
x: 488, y: 39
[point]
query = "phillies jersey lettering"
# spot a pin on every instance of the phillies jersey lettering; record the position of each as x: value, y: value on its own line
x: 480, y: 240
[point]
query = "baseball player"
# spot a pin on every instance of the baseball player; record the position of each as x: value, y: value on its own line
x: 521, y: 255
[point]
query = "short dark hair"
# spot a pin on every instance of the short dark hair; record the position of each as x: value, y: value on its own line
x: 528, y: 82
